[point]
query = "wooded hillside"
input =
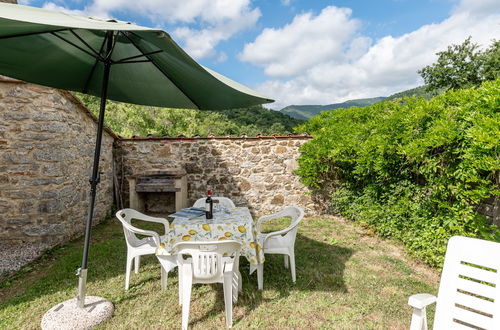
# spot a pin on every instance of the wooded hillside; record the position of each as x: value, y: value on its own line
x: 129, y: 120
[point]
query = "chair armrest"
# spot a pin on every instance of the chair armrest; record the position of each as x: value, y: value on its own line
x: 421, y: 300
x: 157, y: 220
x: 275, y: 233
x: 144, y: 232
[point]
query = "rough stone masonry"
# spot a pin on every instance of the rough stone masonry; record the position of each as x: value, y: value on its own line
x: 256, y: 171
x: 46, y: 149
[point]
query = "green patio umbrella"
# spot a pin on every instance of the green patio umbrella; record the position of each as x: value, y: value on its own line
x: 114, y: 60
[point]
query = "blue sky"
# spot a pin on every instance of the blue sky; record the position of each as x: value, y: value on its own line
x: 309, y: 52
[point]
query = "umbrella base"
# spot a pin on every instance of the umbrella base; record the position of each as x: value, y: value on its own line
x: 67, y: 315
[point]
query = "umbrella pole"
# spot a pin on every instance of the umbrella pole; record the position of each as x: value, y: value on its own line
x: 94, y: 180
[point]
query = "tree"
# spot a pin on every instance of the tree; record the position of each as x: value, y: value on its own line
x: 462, y: 66
x: 491, y: 65
x: 129, y: 119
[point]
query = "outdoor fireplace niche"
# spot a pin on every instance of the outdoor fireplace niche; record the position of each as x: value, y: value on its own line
x: 158, y: 192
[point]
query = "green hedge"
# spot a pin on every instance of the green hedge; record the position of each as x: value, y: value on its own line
x: 413, y: 169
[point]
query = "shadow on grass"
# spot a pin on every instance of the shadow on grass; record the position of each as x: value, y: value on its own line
x: 55, y: 270
x: 319, y: 267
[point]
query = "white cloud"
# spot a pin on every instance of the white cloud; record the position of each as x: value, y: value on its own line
x: 200, y: 43
x: 305, y: 42
x: 175, y: 11
x: 286, y: 2
x: 477, y: 7
x: 346, y: 65
x: 219, y: 19
x: 53, y: 6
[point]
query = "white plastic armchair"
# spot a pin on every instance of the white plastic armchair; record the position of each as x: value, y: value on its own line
x: 281, y: 241
x: 208, y: 262
x: 223, y: 201
x: 469, y: 292
x: 137, y: 247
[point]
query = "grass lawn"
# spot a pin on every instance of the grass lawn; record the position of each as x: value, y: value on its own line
x: 346, y: 279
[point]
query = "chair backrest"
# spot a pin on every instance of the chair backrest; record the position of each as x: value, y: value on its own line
x: 223, y: 201
x: 469, y: 292
x: 296, y: 214
x: 208, y: 258
x: 126, y: 216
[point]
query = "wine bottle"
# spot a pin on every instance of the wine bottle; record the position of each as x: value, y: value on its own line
x: 209, y: 205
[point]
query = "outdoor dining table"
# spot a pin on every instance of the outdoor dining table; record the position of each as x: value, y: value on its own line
x: 235, y: 224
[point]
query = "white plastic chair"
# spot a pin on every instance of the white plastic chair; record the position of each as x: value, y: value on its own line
x: 137, y: 247
x: 223, y: 201
x: 281, y: 241
x: 469, y: 292
x: 208, y: 262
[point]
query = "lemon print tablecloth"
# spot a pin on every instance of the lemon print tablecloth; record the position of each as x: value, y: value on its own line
x: 236, y: 225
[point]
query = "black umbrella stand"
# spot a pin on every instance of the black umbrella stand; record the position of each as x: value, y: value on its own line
x: 73, y: 313
x: 95, y: 178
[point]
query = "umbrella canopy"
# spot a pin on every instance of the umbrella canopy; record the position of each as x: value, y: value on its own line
x: 110, y: 59
x: 66, y: 51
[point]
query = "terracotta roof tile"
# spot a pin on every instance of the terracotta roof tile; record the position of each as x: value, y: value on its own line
x: 211, y: 136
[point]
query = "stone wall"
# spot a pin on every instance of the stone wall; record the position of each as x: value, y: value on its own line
x: 255, y: 172
x: 46, y: 149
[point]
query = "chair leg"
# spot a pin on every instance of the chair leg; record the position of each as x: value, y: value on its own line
x: 240, y: 282
x: 137, y: 262
x: 187, y: 281
x: 164, y: 278
x: 260, y: 276
x: 292, y: 265
x: 236, y: 283
x: 240, y: 279
x: 179, y: 277
x: 228, y: 298
x: 285, y: 257
x: 418, y: 319
x: 128, y: 270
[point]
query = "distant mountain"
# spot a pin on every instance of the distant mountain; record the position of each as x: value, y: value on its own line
x: 418, y: 91
x: 305, y: 112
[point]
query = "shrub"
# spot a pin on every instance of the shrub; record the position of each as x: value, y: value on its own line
x: 413, y: 169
